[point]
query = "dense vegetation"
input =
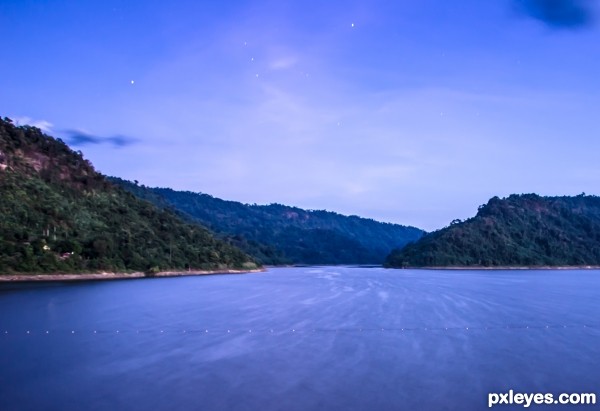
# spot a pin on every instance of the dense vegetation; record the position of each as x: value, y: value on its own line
x: 278, y: 234
x: 59, y: 215
x: 521, y: 230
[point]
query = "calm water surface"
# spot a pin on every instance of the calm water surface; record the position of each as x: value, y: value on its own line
x: 315, y: 338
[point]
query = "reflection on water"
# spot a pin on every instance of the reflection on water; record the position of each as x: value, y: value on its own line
x: 311, y: 338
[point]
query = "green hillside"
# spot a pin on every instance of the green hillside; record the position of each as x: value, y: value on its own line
x: 520, y: 230
x: 278, y: 234
x: 59, y: 215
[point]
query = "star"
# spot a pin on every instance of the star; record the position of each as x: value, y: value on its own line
x: 352, y: 25
x: 132, y: 81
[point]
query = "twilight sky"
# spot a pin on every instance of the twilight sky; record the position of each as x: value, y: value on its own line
x: 412, y: 111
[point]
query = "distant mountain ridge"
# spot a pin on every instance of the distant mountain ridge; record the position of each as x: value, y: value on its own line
x: 520, y: 230
x: 58, y: 215
x: 279, y: 234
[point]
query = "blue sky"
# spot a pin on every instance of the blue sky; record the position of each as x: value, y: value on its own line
x: 413, y: 112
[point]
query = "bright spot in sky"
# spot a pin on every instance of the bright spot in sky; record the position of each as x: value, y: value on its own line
x: 132, y: 81
x: 352, y: 24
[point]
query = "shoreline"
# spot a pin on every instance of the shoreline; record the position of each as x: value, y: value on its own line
x: 105, y: 276
x: 102, y: 276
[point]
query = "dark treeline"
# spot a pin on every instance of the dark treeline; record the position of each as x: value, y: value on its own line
x: 278, y: 234
x: 59, y: 215
x: 520, y: 230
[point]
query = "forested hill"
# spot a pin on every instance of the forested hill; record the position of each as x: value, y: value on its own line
x: 59, y: 215
x: 520, y: 230
x: 278, y: 234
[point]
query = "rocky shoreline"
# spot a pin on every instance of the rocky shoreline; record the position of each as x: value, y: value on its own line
x: 116, y: 276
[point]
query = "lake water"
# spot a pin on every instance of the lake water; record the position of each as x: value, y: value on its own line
x: 314, y: 338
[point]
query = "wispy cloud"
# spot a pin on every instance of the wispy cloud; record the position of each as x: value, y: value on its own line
x: 43, y: 125
x: 81, y: 138
x: 281, y: 63
x: 561, y: 14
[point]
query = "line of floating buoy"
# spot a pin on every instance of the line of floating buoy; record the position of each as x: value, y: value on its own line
x: 299, y: 331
